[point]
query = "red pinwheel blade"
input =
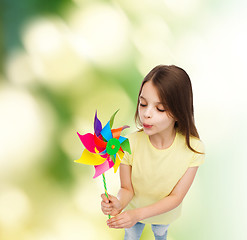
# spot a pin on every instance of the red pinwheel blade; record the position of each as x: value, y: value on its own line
x: 99, y: 142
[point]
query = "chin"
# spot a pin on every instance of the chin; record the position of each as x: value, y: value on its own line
x: 148, y: 132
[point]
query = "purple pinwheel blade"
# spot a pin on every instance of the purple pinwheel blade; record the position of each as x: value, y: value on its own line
x: 125, y: 126
x: 97, y: 125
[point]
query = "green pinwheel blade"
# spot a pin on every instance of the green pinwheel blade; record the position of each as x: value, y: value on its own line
x: 113, y: 158
x: 125, y: 145
x: 112, y: 118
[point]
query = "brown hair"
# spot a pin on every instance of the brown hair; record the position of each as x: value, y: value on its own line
x: 175, y: 92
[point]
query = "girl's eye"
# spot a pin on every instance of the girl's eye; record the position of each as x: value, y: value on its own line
x: 143, y: 105
x: 161, y: 110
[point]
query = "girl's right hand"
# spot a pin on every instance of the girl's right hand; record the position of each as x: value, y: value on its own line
x: 111, y: 206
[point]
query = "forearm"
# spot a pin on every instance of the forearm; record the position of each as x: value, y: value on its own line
x: 124, y: 196
x: 164, y: 205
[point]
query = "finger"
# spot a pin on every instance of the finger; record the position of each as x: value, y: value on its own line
x: 119, y: 224
x: 115, y: 202
x: 104, y: 198
x: 107, y: 205
x: 115, y: 219
x: 117, y: 227
x: 107, y: 212
x: 112, y: 198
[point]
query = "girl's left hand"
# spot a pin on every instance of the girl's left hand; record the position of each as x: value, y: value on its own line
x: 124, y: 220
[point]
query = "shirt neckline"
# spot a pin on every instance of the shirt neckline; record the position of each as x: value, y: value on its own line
x: 165, y: 149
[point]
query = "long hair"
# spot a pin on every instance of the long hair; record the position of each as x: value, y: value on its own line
x: 175, y: 92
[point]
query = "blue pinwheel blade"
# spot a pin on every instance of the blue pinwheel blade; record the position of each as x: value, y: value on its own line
x: 106, y: 132
x: 104, y: 152
x: 121, y: 139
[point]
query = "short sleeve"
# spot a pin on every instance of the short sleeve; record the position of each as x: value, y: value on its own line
x: 198, y: 158
x: 127, y: 159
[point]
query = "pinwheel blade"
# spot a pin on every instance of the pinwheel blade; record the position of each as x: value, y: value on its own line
x: 89, y: 158
x: 122, y: 139
x: 125, y: 126
x: 103, y: 167
x: 116, y: 132
x: 97, y: 125
x: 112, y: 118
x: 125, y: 145
x: 118, y: 161
x: 103, y: 153
x: 88, y: 141
x: 106, y: 132
x: 98, y: 142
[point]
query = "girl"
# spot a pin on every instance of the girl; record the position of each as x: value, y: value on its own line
x: 165, y: 157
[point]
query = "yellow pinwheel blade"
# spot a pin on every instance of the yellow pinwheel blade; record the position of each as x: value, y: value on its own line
x: 90, y: 158
x: 118, y: 160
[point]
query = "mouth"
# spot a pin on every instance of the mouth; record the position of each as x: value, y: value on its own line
x: 147, y: 126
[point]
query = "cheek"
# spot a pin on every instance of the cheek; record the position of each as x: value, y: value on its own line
x: 140, y: 111
x: 164, y: 119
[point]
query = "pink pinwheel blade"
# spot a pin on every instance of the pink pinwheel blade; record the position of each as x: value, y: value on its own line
x: 88, y: 141
x: 106, y: 155
x: 99, y: 169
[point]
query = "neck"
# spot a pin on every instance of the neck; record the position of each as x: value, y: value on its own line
x: 163, y: 140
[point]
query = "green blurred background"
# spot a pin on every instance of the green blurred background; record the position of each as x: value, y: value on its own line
x: 63, y: 59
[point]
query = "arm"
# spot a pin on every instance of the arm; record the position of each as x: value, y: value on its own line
x: 173, y: 200
x: 113, y: 205
x: 126, y: 191
x: 129, y: 218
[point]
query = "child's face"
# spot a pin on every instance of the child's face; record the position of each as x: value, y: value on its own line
x: 154, y: 117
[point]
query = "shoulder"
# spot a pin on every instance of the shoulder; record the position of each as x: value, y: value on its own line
x: 195, y: 143
x: 136, y: 140
x: 193, y: 158
x: 137, y: 135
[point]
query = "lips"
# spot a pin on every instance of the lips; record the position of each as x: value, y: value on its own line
x: 147, y: 125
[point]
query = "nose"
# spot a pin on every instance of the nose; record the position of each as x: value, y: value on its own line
x: 148, y: 112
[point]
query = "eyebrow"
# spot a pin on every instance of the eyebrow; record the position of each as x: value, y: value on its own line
x: 146, y: 99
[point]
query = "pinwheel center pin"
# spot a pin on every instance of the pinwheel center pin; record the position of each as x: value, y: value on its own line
x: 113, y: 146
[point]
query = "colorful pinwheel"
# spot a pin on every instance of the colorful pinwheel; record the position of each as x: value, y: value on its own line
x: 105, y: 148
